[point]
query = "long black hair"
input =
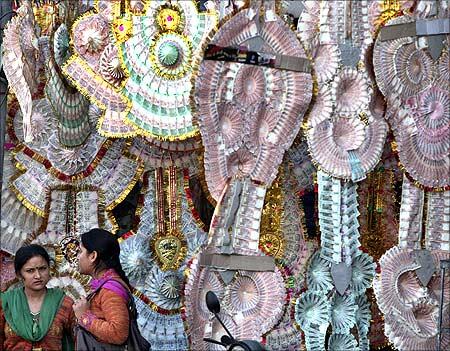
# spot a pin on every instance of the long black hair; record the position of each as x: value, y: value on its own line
x: 107, y: 248
x: 26, y: 252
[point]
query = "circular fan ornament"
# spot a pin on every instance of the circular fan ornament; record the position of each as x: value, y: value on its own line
x: 135, y: 257
x: 110, y: 65
x: 352, y: 91
x: 363, y: 317
x: 164, y: 288
x: 170, y: 55
x: 397, y: 284
x: 312, y: 309
x: 326, y: 62
x: 342, y: 342
x: 401, y: 69
x: 343, y: 312
x: 71, y: 286
x: 423, y: 137
x: 319, y: 274
x: 322, y: 108
x: 363, y: 272
x: 91, y: 37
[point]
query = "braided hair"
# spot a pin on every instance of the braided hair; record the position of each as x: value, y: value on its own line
x: 108, y: 251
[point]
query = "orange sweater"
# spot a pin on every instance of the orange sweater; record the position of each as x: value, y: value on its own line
x: 108, y: 318
x: 64, y: 320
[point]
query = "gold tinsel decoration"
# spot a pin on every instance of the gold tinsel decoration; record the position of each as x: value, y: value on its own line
x: 271, y: 240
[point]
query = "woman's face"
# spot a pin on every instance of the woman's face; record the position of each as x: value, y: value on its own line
x: 86, y: 261
x: 35, y: 273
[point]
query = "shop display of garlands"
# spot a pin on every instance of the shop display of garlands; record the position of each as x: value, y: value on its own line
x: 290, y: 156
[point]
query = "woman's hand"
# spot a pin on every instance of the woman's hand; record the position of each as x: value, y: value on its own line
x: 80, y: 306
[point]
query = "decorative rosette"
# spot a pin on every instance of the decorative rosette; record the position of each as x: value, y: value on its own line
x: 401, y: 69
x: 319, y: 275
x: 110, y: 66
x: 363, y: 271
x: 342, y: 342
x: 308, y: 23
x: 91, y: 38
x: 347, y: 147
x: 164, y: 288
x: 323, y: 106
x: 422, y: 135
x: 159, y: 60
x: 352, y: 91
x: 135, y: 257
x: 398, y: 286
x: 343, y: 310
x: 326, y: 62
x: 312, y: 309
x: 255, y: 295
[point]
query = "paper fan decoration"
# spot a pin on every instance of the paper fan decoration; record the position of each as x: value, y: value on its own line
x: 424, y: 336
x: 401, y: 68
x: 164, y: 288
x: 323, y: 106
x: 312, y: 309
x: 309, y: 22
x: 319, y: 275
x: 61, y: 47
x: 269, y: 109
x: 363, y: 318
x: 341, y: 342
x: 43, y: 123
x: 164, y: 332
x: 343, y: 310
x: 256, y: 295
x: 21, y: 61
x: 76, y: 159
x: 110, y: 65
x: 347, y: 148
x: 423, y: 137
x: 352, y: 91
x: 17, y: 221
x: 397, y: 287
x: 326, y: 63
x: 363, y: 271
x: 135, y: 257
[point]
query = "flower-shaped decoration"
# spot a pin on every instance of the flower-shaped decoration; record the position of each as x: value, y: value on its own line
x: 363, y: 271
x: 312, y: 309
x: 110, y: 66
x: 343, y: 312
x: 135, y: 257
x: 423, y: 136
x: 163, y: 288
x: 92, y: 38
x: 342, y: 342
x: 319, y: 275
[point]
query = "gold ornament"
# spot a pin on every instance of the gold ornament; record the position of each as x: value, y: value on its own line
x: 170, y: 249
